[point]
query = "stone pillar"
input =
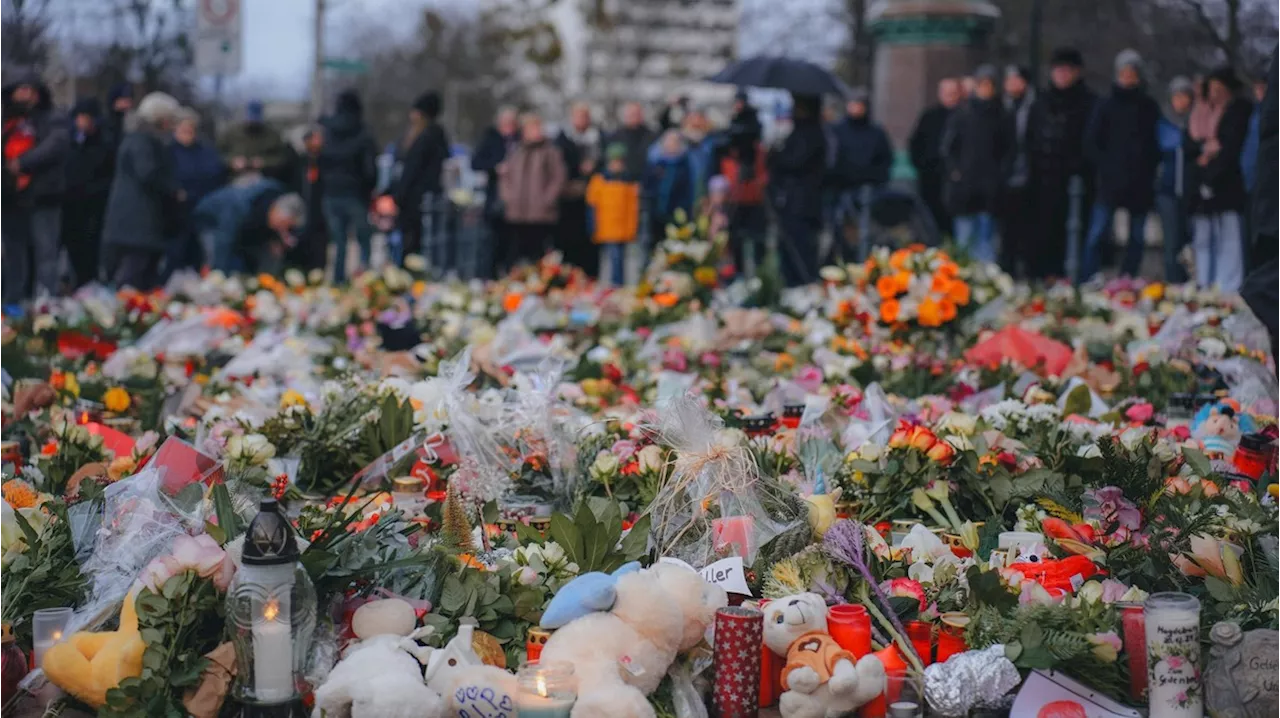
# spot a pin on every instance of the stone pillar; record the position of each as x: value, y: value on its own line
x: 918, y: 43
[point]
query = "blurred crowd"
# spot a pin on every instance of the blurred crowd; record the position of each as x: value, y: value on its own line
x: 1012, y: 172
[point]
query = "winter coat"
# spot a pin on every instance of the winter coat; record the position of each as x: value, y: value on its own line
x: 531, y: 183
x: 1171, y: 138
x: 742, y: 136
x: 1249, y: 153
x: 637, y: 140
x: 143, y: 208
x: 197, y: 169
x: 670, y: 185
x: 236, y: 216
x: 1219, y: 185
x: 348, y: 158
x: 744, y: 188
x: 42, y: 164
x: 1018, y: 113
x: 1123, y: 148
x: 577, y: 147
x: 926, y: 140
x: 91, y: 162
x: 976, y: 151
x: 490, y: 151
x: 615, y: 207
x: 863, y: 154
x: 258, y: 139
x: 1055, y: 134
x: 421, y: 167
x: 1265, y: 192
x: 796, y: 170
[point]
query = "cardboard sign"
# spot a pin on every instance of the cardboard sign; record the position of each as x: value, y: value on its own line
x: 729, y: 573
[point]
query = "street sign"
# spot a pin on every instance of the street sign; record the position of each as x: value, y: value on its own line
x: 347, y: 65
x: 218, y: 46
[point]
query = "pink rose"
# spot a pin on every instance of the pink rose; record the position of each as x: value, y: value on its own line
x: 710, y: 359
x: 675, y: 360
x: 623, y: 449
x: 809, y: 378
x: 1140, y: 412
x: 905, y: 587
x: 200, y: 554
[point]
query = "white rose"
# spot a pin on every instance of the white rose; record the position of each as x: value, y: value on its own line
x: 294, y: 277
x: 650, y: 458
x: 606, y: 465
x: 958, y: 423
x: 832, y: 274
x: 552, y: 552
x: 1089, y: 451
x: 252, y: 449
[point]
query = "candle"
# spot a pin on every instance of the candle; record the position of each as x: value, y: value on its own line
x: 951, y: 635
x: 529, y: 705
x: 850, y: 625
x: 47, y: 625
x: 735, y: 531
x: 272, y: 657
x: 1173, y: 656
x: 547, y: 690
x: 905, y: 709
x: 1133, y: 620
x: 920, y: 633
x: 739, y: 633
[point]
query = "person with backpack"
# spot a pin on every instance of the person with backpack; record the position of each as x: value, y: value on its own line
x: 862, y: 160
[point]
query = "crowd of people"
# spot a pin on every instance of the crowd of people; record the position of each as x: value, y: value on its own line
x: 1007, y: 169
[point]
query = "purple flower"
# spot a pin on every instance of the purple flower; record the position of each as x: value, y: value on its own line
x: 623, y: 449
x: 1109, y: 507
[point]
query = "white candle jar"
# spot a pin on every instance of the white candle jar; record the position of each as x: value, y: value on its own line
x: 547, y: 690
x: 1173, y: 656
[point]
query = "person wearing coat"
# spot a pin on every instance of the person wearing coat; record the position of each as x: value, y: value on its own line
x: 580, y: 145
x: 863, y: 160
x: 253, y: 146
x: 1261, y: 288
x: 926, y: 150
x: 349, y: 171
x: 1170, y: 200
x: 35, y: 152
x: 252, y: 225
x: 976, y: 150
x: 1217, y: 196
x: 143, y: 208
x: 530, y: 181
x: 670, y: 185
x: 1123, y: 147
x: 614, y: 209
x: 422, y: 154
x: 1017, y: 216
x: 198, y: 170
x: 1055, y: 151
x: 495, y: 144
x: 796, y: 171
x: 637, y: 137
x: 90, y: 165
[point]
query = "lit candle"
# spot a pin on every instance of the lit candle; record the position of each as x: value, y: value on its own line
x: 272, y: 656
x: 47, y: 626
x: 546, y: 690
x: 44, y: 645
x: 1173, y: 656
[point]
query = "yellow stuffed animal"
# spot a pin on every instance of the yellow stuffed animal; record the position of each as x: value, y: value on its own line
x: 89, y: 664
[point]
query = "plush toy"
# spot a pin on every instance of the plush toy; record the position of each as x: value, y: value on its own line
x: 89, y: 664
x: 622, y: 631
x: 1219, y: 426
x: 381, y: 675
x: 820, y: 679
x: 468, y: 687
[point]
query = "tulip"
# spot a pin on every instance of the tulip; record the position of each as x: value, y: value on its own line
x: 1106, y: 646
x: 925, y: 504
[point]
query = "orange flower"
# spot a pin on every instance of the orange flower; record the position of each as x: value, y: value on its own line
x: 18, y: 494
x: 948, y: 269
x: 942, y: 452
x: 940, y: 284
x: 666, y: 300
x: 889, y: 311
x: 922, y: 438
x: 901, y: 438
x: 948, y: 309
x: 903, y: 281
x: 511, y: 301
x: 469, y: 560
x: 783, y: 362
x: 930, y: 313
x: 706, y: 276
x: 958, y: 292
x: 899, y: 258
x: 50, y: 448
x: 887, y: 287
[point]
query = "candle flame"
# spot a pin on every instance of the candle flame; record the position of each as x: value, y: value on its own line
x: 271, y: 610
x: 57, y: 635
x: 542, y: 686
x: 84, y: 417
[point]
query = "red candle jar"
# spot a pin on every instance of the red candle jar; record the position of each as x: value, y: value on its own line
x: 1133, y: 621
x: 13, y: 663
x: 892, y: 660
x: 771, y: 665
x: 951, y: 636
x: 739, y: 634
x: 920, y: 633
x: 791, y: 415
x: 1253, y: 455
x: 850, y: 625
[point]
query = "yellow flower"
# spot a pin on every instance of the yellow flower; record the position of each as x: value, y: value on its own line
x: 120, y: 467
x: 783, y: 362
x: 116, y: 399
x: 71, y: 384
x: 1153, y: 291
x: 292, y: 397
x: 706, y: 276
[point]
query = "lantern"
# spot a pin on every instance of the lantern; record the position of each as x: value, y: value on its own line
x: 271, y: 611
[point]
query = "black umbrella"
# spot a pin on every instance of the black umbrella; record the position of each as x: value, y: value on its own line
x: 781, y: 73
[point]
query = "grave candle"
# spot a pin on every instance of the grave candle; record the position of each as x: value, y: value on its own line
x: 1173, y: 656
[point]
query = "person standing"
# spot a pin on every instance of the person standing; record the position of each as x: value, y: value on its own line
x: 1170, y: 200
x: 90, y: 164
x: 1249, y: 153
x: 1018, y: 218
x: 422, y: 154
x: 670, y: 186
x: 1262, y: 285
x: 254, y: 146
x: 615, y: 211
x: 1217, y: 194
x: 637, y: 137
x: 198, y: 170
x: 975, y: 151
x: 313, y: 238
x: 119, y: 105
x: 143, y: 208
x: 530, y: 181
x: 1123, y: 147
x: 349, y: 172
x: 35, y: 153
x: 742, y: 162
x: 494, y: 146
x: 1055, y: 147
x: 797, y: 168
x: 863, y: 159
x: 579, y: 144
x: 926, y: 150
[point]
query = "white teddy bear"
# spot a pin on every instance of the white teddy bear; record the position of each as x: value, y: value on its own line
x: 622, y: 632
x: 821, y: 679
x: 468, y: 687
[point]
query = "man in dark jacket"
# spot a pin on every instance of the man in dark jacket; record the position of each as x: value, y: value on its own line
x: 796, y: 171
x: 349, y: 171
x: 579, y: 142
x: 119, y: 105
x: 90, y: 165
x: 1261, y: 289
x: 1170, y: 199
x: 495, y: 144
x: 926, y: 150
x: 35, y: 152
x: 422, y: 156
x: 1055, y: 147
x: 255, y: 146
x: 637, y: 137
x: 1018, y: 217
x: 863, y: 158
x: 313, y: 238
x: 975, y: 151
x: 252, y: 225
x: 1121, y: 142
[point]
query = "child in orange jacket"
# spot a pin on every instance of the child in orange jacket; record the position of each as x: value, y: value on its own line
x: 615, y: 210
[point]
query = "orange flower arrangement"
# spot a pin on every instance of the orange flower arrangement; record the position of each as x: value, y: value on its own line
x: 19, y: 494
x: 666, y: 300
x: 512, y: 301
x: 889, y: 309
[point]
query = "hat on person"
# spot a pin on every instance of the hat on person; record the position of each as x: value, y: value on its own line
x: 158, y: 106
x: 1227, y: 76
x: 615, y: 151
x: 428, y: 103
x: 859, y: 94
x: 1068, y: 56
x: 253, y: 111
x: 741, y: 94
x: 86, y: 106
x: 1182, y: 85
x: 1128, y: 58
x: 986, y: 72
x: 1017, y: 71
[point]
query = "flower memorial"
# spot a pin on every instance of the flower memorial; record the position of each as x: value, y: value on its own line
x: 539, y: 493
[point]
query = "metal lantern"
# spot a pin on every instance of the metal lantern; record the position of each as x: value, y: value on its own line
x: 271, y: 610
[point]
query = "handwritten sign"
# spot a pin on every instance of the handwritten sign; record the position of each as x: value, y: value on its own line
x: 729, y: 573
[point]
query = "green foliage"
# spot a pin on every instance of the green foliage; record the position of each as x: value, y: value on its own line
x: 590, y: 535
x: 353, y: 430
x: 46, y: 575
x: 455, y: 526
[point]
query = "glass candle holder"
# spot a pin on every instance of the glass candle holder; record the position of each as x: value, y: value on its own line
x: 1173, y: 655
x: 920, y: 633
x: 547, y: 690
x: 951, y: 635
x: 47, y: 627
x: 850, y: 625
x: 905, y: 688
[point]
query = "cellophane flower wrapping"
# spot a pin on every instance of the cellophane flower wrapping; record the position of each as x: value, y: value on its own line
x: 874, y: 421
x: 473, y: 427
x: 714, y: 503
x: 550, y: 427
